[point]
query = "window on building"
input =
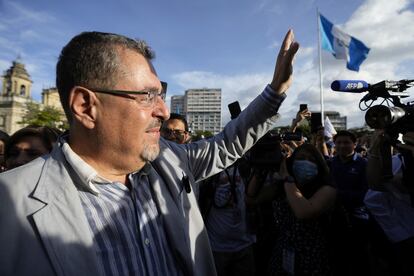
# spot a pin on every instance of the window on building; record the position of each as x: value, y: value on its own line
x: 8, y: 87
x: 22, y: 90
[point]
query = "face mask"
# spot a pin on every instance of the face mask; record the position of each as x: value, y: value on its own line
x: 304, y: 171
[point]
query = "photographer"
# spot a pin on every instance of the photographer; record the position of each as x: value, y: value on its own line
x: 390, y: 200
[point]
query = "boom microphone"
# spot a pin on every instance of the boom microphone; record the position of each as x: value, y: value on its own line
x: 352, y: 86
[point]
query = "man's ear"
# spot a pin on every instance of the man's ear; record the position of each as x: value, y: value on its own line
x: 187, y: 137
x: 83, y: 102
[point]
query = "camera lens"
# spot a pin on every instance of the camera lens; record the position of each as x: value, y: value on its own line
x: 381, y: 116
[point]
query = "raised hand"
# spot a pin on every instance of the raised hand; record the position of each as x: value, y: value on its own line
x: 282, y: 77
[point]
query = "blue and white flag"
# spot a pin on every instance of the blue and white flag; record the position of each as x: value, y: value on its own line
x: 342, y: 45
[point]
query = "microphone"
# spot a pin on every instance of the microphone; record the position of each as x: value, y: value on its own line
x: 352, y: 86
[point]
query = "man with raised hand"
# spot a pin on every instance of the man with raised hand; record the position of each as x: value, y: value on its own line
x: 113, y: 198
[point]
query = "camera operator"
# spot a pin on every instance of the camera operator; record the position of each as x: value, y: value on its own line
x: 390, y: 201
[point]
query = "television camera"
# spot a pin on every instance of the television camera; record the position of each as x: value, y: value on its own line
x: 391, y: 115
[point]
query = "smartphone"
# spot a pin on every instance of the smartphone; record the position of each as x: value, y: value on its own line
x: 316, y: 121
x: 303, y: 107
x: 234, y: 109
x: 291, y: 136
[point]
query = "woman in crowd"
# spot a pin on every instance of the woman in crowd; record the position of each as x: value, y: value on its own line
x: 301, y: 212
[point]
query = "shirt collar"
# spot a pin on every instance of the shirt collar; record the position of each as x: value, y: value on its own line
x: 355, y: 156
x: 88, y: 175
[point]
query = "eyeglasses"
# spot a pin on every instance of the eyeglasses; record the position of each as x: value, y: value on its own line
x: 146, y: 98
x: 176, y: 132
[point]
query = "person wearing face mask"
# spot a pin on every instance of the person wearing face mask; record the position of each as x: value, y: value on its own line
x: 301, y: 215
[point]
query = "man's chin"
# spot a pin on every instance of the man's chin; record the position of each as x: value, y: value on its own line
x: 150, y: 152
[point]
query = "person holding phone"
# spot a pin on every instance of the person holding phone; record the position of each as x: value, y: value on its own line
x: 301, y: 115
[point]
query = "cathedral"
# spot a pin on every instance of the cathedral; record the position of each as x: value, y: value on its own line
x: 15, y: 95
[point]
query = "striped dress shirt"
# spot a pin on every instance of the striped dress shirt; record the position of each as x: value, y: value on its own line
x: 128, y: 232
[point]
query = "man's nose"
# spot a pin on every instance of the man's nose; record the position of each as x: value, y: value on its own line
x: 161, y: 110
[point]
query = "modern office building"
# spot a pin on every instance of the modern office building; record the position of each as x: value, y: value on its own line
x: 339, y: 123
x: 177, y: 104
x: 202, y: 108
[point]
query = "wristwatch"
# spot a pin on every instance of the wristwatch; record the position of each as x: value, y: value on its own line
x: 289, y: 179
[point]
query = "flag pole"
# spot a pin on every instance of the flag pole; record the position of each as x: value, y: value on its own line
x: 320, y: 65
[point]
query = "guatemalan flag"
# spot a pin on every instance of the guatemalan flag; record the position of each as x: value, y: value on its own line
x: 342, y: 45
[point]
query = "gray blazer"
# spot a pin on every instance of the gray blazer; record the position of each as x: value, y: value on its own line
x: 43, y: 229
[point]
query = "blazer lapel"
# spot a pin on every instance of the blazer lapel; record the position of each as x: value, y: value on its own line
x: 61, y: 222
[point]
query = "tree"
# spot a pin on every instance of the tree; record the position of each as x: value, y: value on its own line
x: 200, y: 134
x: 49, y: 116
x: 305, y: 129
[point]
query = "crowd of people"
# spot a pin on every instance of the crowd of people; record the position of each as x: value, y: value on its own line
x: 125, y: 191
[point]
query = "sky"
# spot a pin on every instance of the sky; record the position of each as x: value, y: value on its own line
x: 227, y: 44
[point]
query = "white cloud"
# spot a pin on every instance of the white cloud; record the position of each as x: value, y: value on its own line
x: 30, y: 35
x: 10, y: 47
x: 4, y: 65
x: 274, y: 45
x: 36, y: 36
x: 245, y: 87
x: 386, y: 27
x: 24, y: 14
x: 268, y: 6
x: 242, y: 88
x: 305, y: 52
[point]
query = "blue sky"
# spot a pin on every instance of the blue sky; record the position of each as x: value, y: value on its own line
x: 228, y: 44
